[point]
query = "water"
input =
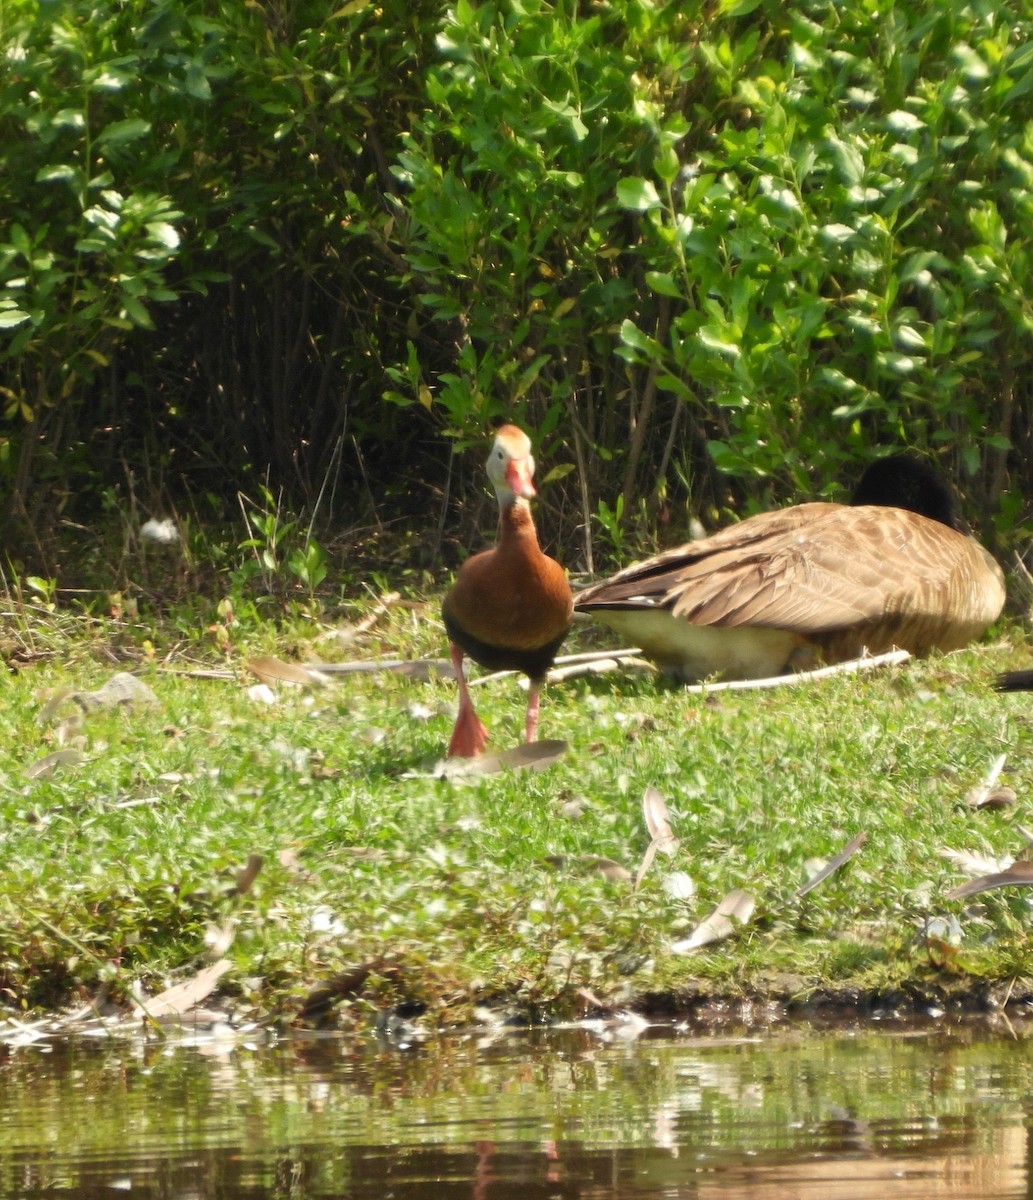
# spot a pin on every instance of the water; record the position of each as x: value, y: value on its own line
x: 792, y: 1115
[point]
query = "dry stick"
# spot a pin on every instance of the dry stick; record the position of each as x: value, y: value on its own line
x: 642, y: 419
x: 630, y: 658
x: 588, y: 656
x: 586, y: 512
x: 439, y: 533
x: 867, y: 663
x: 665, y: 459
x: 365, y: 480
x: 598, y: 667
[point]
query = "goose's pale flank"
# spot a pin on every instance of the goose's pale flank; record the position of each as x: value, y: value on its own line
x: 816, y: 582
x: 510, y: 607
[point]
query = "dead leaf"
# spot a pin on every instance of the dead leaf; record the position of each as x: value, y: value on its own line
x: 348, y: 633
x: 186, y: 995
x: 274, y: 670
x: 348, y: 983
x: 1019, y: 874
x: 50, y: 762
x: 534, y: 755
x: 607, y: 867
x: 734, y: 910
x: 248, y: 873
x: 834, y: 863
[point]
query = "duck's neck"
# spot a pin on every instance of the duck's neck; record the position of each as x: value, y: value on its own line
x: 516, y: 528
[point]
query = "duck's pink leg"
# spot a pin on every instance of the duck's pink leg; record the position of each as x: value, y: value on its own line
x: 531, y: 721
x: 469, y: 736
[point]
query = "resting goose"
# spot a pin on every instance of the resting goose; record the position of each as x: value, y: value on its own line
x: 818, y: 581
x: 510, y: 607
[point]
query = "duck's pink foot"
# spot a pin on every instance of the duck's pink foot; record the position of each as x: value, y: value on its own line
x: 469, y: 737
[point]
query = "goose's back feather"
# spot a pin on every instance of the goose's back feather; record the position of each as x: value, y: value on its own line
x: 816, y: 579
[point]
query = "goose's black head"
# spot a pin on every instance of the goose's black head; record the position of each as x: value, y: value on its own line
x: 912, y: 482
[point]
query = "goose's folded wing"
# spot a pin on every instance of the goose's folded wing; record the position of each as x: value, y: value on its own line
x: 810, y: 569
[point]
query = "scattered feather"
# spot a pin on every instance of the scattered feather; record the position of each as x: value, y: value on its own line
x: 533, y: 755
x: 658, y: 821
x: 274, y: 670
x: 973, y: 863
x: 186, y: 995
x: 1015, y: 681
x: 219, y: 938
x: 261, y: 693
x: 654, y: 809
x: 587, y: 863
x: 50, y: 762
x: 999, y: 797
x: 164, y: 533
x: 679, y: 886
x: 1019, y: 874
x: 121, y: 689
x: 834, y: 863
x: 977, y: 797
x: 733, y: 911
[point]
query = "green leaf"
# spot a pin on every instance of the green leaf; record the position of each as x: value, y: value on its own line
x: 118, y: 133
x: 136, y: 312
x: 560, y: 471
x: 12, y: 317
x: 712, y: 337
x: 664, y: 284
x: 196, y: 82
x: 59, y: 173
x: 163, y: 232
x: 848, y: 160
x: 637, y: 194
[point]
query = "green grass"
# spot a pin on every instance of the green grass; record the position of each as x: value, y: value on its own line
x: 442, y: 887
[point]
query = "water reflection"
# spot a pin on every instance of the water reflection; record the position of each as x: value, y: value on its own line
x: 792, y: 1116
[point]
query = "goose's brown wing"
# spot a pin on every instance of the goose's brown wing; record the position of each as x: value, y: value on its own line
x: 812, y: 569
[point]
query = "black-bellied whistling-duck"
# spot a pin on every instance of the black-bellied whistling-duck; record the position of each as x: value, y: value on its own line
x: 510, y: 607
x: 781, y: 590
